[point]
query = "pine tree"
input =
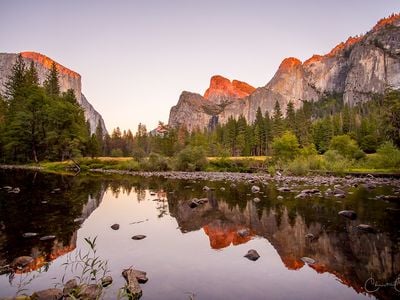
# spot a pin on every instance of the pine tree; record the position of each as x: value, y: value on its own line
x: 277, y: 121
x: 259, y: 133
x: 51, y: 84
x: 14, y: 86
x: 100, y: 138
x: 31, y: 76
x: 290, y: 119
x: 268, y: 133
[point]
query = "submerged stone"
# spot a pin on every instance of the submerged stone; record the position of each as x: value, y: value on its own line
x: 115, y: 226
x: 252, y: 255
x: 308, y: 260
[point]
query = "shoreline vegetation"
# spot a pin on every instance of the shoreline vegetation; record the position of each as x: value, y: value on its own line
x: 214, y: 168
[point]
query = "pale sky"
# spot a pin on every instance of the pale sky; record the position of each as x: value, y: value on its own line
x: 136, y: 57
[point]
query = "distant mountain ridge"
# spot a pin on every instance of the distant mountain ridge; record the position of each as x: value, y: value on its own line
x: 359, y: 68
x: 68, y: 79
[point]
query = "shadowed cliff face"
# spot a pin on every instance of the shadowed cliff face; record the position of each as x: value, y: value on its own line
x: 337, y: 246
x: 358, y: 68
x: 68, y: 79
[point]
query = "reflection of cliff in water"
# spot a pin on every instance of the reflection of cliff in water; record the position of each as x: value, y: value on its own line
x: 46, y: 205
x: 338, y: 247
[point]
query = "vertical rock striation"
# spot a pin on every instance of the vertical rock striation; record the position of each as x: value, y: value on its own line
x: 358, y: 68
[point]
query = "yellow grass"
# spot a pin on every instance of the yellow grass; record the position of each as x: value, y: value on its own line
x: 109, y: 158
x: 258, y: 158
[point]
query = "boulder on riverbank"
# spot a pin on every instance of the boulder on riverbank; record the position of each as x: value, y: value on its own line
x: 349, y: 214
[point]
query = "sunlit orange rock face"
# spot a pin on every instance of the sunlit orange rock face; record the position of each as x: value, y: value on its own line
x: 223, y: 87
x: 289, y: 63
x: 395, y: 18
x: 343, y: 45
x: 224, y: 237
x: 313, y: 59
x: 47, y: 63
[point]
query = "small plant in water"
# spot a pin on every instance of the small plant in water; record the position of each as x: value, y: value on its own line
x: 87, y: 268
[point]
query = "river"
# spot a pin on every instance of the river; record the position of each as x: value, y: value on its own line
x: 307, y: 250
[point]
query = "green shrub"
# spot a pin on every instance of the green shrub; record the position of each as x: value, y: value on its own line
x: 387, y: 156
x: 344, y: 145
x: 191, y: 159
x: 299, y: 166
x: 308, y: 150
x: 155, y: 162
x: 369, y: 143
x: 359, y: 154
x: 335, y: 162
x: 286, y: 147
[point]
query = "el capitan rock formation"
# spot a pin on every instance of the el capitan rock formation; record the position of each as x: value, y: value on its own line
x: 68, y: 79
x: 358, y: 69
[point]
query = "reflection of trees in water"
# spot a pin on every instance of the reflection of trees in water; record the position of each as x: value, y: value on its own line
x: 48, y: 205
x: 339, y: 248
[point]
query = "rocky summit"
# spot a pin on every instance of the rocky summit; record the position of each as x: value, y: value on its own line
x: 358, y: 69
x: 68, y: 79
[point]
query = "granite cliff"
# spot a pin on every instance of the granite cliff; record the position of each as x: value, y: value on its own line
x: 358, y: 69
x: 68, y: 79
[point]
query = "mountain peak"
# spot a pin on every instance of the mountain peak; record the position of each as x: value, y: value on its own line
x: 343, y: 45
x: 223, y: 87
x: 393, y: 19
x: 47, y: 63
x: 289, y: 63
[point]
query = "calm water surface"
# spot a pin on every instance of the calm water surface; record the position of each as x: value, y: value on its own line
x: 199, y: 252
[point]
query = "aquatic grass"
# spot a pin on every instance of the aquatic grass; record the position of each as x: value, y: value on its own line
x: 87, y: 267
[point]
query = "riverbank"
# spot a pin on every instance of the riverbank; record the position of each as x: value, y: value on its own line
x: 314, y: 179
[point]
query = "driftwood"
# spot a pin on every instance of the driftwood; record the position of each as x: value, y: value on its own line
x: 132, y: 288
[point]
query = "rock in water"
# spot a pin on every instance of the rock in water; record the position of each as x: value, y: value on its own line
x: 115, y: 226
x: 366, y: 228
x: 90, y: 292
x: 47, y: 237
x: 308, y: 260
x: 29, y: 234
x: 350, y: 214
x: 255, y: 189
x: 21, y: 262
x: 132, y: 288
x: 138, y: 237
x: 49, y: 294
x: 243, y: 232
x: 309, y: 236
x: 70, y: 287
x: 141, y: 276
x: 106, y: 281
x: 252, y: 255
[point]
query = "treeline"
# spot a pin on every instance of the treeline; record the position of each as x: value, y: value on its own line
x: 368, y: 124
x: 39, y: 122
